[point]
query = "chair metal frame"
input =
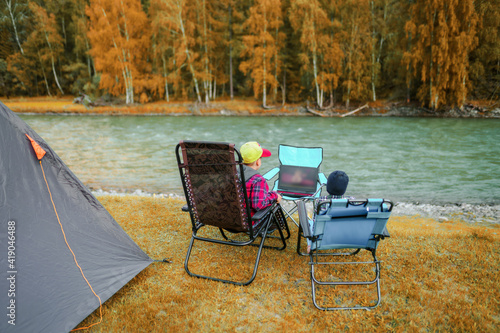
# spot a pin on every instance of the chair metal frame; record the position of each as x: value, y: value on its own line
x: 271, y: 215
x: 378, y: 233
x: 294, y: 199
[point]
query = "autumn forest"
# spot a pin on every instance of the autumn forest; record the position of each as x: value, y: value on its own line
x: 437, y: 52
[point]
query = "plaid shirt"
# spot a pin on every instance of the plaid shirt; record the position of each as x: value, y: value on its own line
x: 258, y: 194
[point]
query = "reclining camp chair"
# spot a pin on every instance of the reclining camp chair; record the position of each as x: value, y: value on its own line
x: 346, y: 224
x: 294, y: 160
x: 214, y: 187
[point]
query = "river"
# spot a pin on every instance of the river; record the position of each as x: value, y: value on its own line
x: 408, y: 160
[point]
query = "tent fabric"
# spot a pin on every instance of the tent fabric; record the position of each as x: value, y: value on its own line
x: 44, y: 283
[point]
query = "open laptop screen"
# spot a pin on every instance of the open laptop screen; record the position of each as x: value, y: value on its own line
x: 301, y: 181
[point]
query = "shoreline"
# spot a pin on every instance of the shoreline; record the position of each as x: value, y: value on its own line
x: 244, y: 108
x: 465, y: 212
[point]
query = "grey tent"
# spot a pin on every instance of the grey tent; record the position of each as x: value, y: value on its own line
x: 41, y: 287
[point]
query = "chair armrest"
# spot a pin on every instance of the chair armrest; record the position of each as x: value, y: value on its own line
x: 259, y: 215
x: 303, y: 219
x: 322, y: 178
x: 271, y: 173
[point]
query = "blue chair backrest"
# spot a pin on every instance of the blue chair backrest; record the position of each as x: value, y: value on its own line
x: 300, y: 156
x: 351, y: 224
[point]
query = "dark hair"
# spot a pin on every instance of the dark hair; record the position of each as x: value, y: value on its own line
x: 337, y: 183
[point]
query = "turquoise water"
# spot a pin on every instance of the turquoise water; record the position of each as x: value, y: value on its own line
x: 413, y: 160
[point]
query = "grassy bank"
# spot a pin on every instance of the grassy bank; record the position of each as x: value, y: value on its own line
x: 245, y: 107
x: 435, y: 276
x: 66, y: 106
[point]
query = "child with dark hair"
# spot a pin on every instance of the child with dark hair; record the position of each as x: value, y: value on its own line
x: 336, y: 186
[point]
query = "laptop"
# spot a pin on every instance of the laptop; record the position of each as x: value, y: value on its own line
x: 297, y: 181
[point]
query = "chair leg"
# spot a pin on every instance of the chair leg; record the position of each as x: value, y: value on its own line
x: 376, y: 281
x: 290, y: 212
x: 243, y: 283
x: 279, y: 215
x: 259, y: 252
x: 281, y: 236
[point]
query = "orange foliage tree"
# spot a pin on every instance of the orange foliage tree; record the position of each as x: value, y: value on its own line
x: 163, y: 35
x: 119, y: 34
x: 179, y: 40
x: 443, y: 34
x: 163, y: 49
x: 14, y: 13
x: 82, y: 42
x: 321, y: 55
x: 206, y: 17
x: 188, y: 34
x: 262, y: 45
x: 356, y: 44
x: 485, y: 62
x: 231, y: 42
x: 51, y: 44
x: 42, y: 48
x: 380, y: 10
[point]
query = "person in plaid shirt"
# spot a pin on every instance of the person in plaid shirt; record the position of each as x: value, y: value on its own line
x: 257, y: 189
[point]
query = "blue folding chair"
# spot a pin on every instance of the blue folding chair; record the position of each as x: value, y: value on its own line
x: 344, y: 224
x: 299, y: 160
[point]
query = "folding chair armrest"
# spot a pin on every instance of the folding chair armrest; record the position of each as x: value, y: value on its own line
x: 271, y: 173
x: 322, y: 178
x: 303, y: 219
x: 259, y: 215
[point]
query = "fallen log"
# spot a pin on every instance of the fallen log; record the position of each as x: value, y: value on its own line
x: 353, y: 112
x: 316, y: 112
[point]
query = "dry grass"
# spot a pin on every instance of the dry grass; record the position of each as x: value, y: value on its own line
x: 435, y: 277
x: 64, y: 105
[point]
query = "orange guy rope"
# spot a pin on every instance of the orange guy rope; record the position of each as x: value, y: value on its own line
x: 41, y: 153
x: 74, y: 257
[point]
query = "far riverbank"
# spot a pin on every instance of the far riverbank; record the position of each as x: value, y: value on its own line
x: 68, y: 106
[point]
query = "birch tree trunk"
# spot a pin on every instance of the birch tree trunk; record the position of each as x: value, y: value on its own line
x: 231, y: 90
x: 315, y: 68
x: 264, y: 72
x: 214, y: 92
x: 207, y: 80
x: 315, y: 71
x: 165, y: 75
x: 276, y: 65
x: 431, y: 65
x: 349, y: 70
x: 374, y: 94
x: 8, y: 3
x: 53, y: 62
x: 264, y: 97
x: 188, y: 55
x: 127, y: 59
x: 283, y: 88
x: 122, y: 63
x: 43, y: 72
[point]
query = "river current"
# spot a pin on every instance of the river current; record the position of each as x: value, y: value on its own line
x: 412, y: 161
